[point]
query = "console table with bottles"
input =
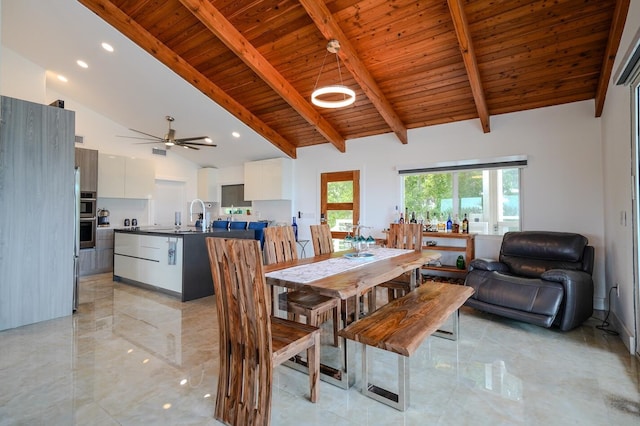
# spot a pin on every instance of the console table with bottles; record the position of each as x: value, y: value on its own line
x: 452, y: 243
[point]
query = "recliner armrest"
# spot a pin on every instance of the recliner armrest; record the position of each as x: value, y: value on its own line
x: 488, y: 265
x: 578, y: 295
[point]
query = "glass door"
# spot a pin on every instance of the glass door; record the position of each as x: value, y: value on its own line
x: 340, y: 202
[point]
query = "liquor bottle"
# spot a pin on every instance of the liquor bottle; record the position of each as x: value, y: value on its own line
x: 427, y: 224
x: 401, y: 218
x: 413, y: 218
x: 449, y: 223
x: 396, y: 217
x: 294, y: 225
x: 465, y: 225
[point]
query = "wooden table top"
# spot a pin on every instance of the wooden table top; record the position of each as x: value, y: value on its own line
x: 402, y: 325
x: 353, y: 282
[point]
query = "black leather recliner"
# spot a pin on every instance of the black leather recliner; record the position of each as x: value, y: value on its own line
x: 541, y: 277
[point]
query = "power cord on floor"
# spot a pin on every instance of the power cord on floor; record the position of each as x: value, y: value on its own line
x: 605, y: 323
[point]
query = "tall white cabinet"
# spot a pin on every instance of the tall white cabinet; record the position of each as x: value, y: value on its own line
x: 268, y: 179
x: 125, y: 177
x: 36, y: 212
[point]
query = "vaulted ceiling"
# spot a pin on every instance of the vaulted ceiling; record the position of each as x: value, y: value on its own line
x: 411, y: 63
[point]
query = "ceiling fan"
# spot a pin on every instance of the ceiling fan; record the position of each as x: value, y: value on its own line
x: 170, y: 138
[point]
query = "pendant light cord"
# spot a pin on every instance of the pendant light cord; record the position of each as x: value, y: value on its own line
x: 321, y: 68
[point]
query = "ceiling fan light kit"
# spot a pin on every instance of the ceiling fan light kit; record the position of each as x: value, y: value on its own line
x: 345, y: 95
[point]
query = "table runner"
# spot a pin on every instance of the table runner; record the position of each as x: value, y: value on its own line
x: 314, y: 271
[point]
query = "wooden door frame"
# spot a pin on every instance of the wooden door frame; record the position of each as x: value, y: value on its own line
x: 343, y: 176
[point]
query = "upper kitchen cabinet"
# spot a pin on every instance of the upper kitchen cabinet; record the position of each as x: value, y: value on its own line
x: 268, y: 179
x: 208, y: 184
x: 87, y: 162
x: 125, y: 177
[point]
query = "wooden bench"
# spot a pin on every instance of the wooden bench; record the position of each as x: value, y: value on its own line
x: 401, y: 326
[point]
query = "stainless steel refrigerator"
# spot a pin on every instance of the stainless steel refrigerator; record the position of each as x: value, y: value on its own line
x: 76, y: 239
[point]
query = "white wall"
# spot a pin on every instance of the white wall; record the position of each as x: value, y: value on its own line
x: 617, y: 167
x: 23, y: 79
x: 562, y: 185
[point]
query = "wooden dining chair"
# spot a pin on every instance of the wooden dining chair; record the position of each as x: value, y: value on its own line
x: 405, y: 236
x: 321, y: 238
x: 323, y: 244
x: 280, y: 246
x: 251, y: 341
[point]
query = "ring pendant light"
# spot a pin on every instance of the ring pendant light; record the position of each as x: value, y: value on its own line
x: 348, y: 95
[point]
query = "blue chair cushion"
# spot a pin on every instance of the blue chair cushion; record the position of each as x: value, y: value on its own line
x: 259, y: 231
x: 221, y: 224
x: 237, y: 225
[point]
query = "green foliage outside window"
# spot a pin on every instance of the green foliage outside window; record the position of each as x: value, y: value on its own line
x: 340, y: 192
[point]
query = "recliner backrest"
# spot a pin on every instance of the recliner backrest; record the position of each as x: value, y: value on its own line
x: 530, y: 253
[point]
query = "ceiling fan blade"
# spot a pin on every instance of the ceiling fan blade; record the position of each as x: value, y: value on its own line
x: 147, y: 134
x: 188, y: 147
x: 198, y: 144
x: 147, y: 143
x: 190, y: 139
x: 135, y: 137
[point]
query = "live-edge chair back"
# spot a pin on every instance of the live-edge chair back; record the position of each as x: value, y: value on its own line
x: 252, y: 342
x: 244, y: 384
x: 321, y: 239
x: 279, y: 244
x: 405, y: 236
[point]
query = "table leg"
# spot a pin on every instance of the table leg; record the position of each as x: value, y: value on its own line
x: 413, y: 281
x: 342, y: 376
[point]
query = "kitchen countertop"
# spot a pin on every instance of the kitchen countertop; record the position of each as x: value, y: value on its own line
x: 167, y: 230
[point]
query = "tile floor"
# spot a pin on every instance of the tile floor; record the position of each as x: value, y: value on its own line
x: 133, y: 357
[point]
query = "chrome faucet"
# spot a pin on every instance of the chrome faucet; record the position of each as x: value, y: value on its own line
x: 203, y: 221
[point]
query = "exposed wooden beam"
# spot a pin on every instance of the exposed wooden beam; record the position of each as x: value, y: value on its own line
x: 470, y: 62
x: 323, y: 19
x: 613, y: 42
x: 115, y: 17
x: 238, y: 44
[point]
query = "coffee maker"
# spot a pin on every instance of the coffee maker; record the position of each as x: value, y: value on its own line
x: 103, y: 217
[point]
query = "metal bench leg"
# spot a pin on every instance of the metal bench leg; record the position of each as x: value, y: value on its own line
x: 399, y: 401
x: 451, y: 335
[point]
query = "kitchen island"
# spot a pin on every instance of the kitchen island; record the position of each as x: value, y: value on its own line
x: 172, y: 261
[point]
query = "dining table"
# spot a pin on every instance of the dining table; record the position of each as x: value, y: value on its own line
x: 345, y: 275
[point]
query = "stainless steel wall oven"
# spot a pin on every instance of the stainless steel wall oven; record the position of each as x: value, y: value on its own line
x: 88, y: 205
x: 87, y: 233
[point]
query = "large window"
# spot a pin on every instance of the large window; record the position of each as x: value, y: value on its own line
x: 490, y: 197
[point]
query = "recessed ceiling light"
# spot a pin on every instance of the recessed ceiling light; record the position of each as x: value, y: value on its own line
x: 235, y: 134
x: 82, y: 63
x: 62, y: 78
x: 208, y: 140
x: 107, y: 47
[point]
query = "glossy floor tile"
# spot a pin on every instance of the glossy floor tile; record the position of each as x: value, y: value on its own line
x: 134, y: 357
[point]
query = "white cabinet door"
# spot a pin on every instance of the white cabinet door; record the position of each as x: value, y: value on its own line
x: 124, y: 177
x: 110, y: 176
x: 268, y: 179
x: 208, y: 184
x: 139, y: 178
x: 146, y: 259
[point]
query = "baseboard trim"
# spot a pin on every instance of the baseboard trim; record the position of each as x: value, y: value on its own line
x: 628, y: 339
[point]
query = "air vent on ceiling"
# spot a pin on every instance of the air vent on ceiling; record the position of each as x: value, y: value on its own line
x: 79, y: 139
x: 157, y: 151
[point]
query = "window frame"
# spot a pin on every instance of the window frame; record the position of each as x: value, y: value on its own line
x: 491, y: 196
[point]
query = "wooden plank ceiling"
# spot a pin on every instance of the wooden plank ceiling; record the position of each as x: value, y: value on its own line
x: 411, y: 63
